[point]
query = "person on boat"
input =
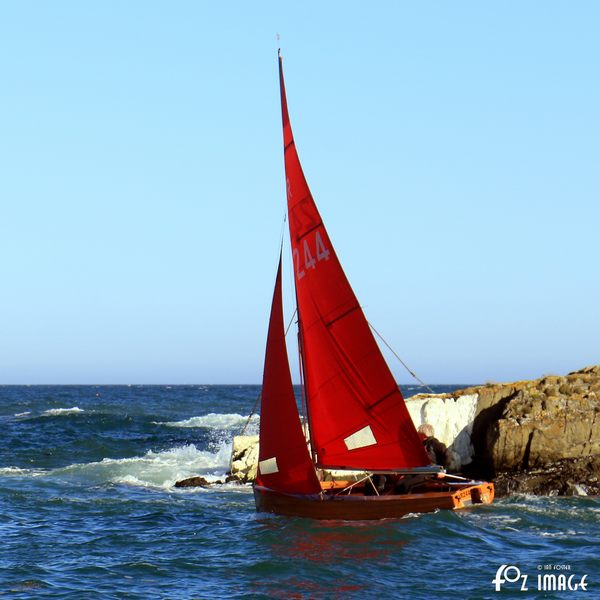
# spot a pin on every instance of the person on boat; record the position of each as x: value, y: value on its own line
x: 436, y: 450
x: 376, y: 485
x: 438, y: 455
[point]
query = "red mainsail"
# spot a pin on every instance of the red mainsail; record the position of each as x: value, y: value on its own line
x: 357, y: 416
x: 284, y: 463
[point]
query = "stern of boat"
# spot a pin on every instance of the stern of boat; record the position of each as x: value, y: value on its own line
x: 481, y: 493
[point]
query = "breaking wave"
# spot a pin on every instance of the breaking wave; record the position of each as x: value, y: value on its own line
x: 154, y: 469
x: 225, y: 422
x: 55, y: 412
x: 19, y: 471
x: 181, y: 454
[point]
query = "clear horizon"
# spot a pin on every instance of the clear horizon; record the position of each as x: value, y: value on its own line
x: 415, y: 385
x: 451, y: 149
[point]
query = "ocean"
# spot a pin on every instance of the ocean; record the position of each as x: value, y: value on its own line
x: 88, y: 510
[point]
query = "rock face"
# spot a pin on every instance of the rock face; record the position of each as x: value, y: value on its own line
x: 540, y: 436
x: 452, y: 420
x: 244, y: 458
x: 568, y: 477
x: 532, y: 424
x: 192, y: 482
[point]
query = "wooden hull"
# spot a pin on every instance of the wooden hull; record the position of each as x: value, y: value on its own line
x: 354, y: 507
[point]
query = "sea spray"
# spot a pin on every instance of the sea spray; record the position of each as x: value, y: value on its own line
x: 224, y: 422
x: 57, y: 412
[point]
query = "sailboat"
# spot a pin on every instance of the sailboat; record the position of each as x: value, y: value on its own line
x: 355, y: 416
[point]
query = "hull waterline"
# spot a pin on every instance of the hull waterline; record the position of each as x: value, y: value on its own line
x: 353, y: 507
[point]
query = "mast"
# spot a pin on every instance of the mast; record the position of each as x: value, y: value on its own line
x: 303, y: 394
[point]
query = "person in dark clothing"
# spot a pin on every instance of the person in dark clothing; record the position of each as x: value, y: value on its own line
x: 375, y: 486
x: 436, y: 450
x: 438, y: 455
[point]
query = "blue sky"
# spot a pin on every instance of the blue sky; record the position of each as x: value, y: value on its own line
x: 452, y: 148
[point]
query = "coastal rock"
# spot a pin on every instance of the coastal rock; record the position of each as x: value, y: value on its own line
x: 244, y: 458
x: 540, y: 436
x: 452, y: 420
x: 544, y: 421
x: 568, y: 477
x: 193, y: 482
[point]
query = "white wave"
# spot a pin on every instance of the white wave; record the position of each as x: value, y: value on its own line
x: 19, y: 471
x: 154, y: 469
x: 503, y: 519
x: 53, y: 412
x: 218, y: 421
x: 12, y: 471
x: 23, y: 414
x: 560, y: 534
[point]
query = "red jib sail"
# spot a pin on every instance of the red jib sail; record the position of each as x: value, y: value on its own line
x: 284, y: 461
x: 357, y: 416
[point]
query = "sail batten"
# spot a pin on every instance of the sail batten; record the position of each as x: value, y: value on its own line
x: 349, y: 387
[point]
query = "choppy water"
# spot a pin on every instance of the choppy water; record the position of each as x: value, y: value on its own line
x: 88, y: 510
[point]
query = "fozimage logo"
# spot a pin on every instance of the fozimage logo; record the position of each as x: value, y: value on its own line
x: 555, y: 578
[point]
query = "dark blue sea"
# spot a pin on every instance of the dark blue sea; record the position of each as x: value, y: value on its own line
x: 88, y: 510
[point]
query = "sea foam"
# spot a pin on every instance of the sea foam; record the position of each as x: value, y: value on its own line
x: 154, y: 469
x: 54, y: 412
x: 225, y: 422
x: 19, y: 471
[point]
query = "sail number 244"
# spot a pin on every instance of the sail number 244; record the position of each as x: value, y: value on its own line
x: 313, y: 251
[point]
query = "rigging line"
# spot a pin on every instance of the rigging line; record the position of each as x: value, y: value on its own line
x: 251, y: 413
x: 283, y: 226
x: 290, y: 279
x: 282, y: 237
x: 282, y: 234
x: 291, y: 321
x: 401, y: 361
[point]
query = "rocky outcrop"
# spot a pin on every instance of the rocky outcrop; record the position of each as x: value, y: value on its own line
x: 568, y: 477
x: 201, y: 482
x: 193, y: 482
x: 525, y: 427
x: 452, y: 420
x: 244, y: 458
x: 532, y: 424
x: 540, y: 436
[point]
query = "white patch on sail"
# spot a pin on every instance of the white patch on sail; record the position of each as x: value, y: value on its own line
x: 268, y: 466
x: 363, y: 437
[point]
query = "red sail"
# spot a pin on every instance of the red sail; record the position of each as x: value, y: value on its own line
x: 284, y: 461
x: 357, y: 416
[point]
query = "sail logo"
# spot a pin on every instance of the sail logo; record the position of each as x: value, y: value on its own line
x: 546, y: 582
x: 310, y: 248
